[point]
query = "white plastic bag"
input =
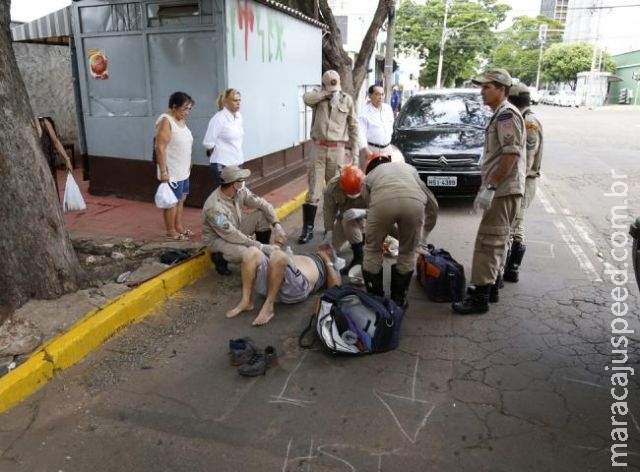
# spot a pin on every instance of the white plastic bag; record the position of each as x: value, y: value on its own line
x: 72, y: 200
x: 165, y: 198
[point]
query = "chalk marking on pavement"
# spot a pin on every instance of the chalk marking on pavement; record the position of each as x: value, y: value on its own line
x: 588, y: 448
x: 339, y: 459
x: 411, y: 399
x: 286, y: 457
x: 545, y: 201
x: 583, y: 260
x: 237, y: 399
x: 583, y: 382
x: 280, y: 398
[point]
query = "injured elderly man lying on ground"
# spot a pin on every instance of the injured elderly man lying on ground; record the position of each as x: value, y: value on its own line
x: 282, y: 277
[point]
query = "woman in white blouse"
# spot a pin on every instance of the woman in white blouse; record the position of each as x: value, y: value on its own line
x: 223, y: 139
x: 173, y: 158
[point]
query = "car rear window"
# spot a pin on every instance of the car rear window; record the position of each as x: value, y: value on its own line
x: 450, y: 109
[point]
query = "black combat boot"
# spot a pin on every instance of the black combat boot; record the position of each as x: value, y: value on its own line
x: 308, y: 220
x: 221, y: 264
x: 357, y: 249
x: 516, y: 253
x: 399, y: 286
x: 263, y: 237
x: 476, y: 302
x: 494, y: 291
x: 373, y: 282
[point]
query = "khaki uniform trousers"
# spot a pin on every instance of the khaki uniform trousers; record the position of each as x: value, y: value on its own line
x: 348, y: 231
x: 324, y: 165
x: 408, y: 214
x: 493, y: 236
x: 233, y: 252
x: 529, y: 194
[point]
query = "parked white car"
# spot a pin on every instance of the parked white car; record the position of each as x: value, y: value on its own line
x: 566, y: 99
x: 534, y: 93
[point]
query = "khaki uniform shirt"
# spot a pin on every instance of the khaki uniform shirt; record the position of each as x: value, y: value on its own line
x: 505, y: 134
x: 534, y: 143
x: 396, y: 180
x: 221, y: 216
x: 336, y: 202
x: 339, y: 123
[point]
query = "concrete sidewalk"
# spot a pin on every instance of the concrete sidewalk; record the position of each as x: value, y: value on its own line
x: 110, y: 218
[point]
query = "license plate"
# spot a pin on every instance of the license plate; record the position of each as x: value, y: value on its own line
x: 442, y: 180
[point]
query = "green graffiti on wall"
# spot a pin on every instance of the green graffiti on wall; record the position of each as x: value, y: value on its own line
x: 260, y: 23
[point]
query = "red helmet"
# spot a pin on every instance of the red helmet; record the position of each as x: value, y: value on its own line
x: 351, y: 179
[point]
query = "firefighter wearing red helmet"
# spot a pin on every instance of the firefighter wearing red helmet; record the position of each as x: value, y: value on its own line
x: 344, y: 212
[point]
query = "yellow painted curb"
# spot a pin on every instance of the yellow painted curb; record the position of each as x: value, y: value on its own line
x: 96, y: 327
x: 100, y: 324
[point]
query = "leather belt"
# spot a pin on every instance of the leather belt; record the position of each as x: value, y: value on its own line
x: 330, y: 144
x: 378, y: 145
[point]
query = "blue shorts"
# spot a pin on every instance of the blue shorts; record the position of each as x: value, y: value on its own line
x: 180, y: 188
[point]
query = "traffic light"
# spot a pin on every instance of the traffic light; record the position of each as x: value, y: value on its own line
x: 623, y: 99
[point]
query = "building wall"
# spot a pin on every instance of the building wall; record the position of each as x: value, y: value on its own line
x: 46, y: 72
x: 272, y: 59
x: 626, y: 65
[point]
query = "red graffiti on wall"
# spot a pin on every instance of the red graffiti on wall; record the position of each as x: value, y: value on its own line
x: 246, y: 19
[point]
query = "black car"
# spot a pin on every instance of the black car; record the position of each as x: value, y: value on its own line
x: 441, y: 133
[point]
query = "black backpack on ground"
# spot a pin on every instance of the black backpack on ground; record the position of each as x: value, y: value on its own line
x: 349, y: 320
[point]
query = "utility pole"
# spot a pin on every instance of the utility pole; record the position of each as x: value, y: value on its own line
x: 443, y: 39
x: 388, y: 56
x: 542, y: 37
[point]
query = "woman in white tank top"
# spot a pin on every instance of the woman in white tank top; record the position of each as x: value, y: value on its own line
x: 173, y: 154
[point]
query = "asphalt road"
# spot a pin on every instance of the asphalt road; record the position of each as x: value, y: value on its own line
x: 522, y: 388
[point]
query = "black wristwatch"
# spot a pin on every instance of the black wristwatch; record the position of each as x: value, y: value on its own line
x: 491, y: 187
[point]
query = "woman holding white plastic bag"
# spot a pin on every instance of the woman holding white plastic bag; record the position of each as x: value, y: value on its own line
x: 173, y: 155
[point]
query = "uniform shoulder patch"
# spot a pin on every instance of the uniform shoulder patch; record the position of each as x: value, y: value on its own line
x: 507, y: 115
x: 219, y: 219
x: 532, y: 126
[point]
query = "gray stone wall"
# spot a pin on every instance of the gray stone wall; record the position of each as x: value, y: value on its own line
x: 46, y: 71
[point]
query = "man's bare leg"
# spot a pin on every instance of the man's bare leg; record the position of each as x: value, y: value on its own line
x: 277, y: 265
x: 250, y: 262
x: 333, y: 277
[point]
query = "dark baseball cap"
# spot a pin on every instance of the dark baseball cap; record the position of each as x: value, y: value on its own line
x: 500, y: 76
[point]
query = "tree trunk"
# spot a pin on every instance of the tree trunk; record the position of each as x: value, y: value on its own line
x: 38, y: 259
x: 333, y: 54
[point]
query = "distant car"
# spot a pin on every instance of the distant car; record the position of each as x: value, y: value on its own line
x: 566, y: 99
x: 548, y: 97
x: 441, y: 133
x: 534, y: 95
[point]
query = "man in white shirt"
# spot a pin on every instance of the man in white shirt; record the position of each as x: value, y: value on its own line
x: 376, y: 126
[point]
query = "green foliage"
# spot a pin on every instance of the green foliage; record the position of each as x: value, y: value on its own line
x: 518, y: 47
x: 470, y: 36
x: 562, y: 62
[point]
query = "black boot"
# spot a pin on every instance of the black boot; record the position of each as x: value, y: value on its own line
x: 308, y: 220
x: 357, y: 249
x: 494, y: 291
x: 221, y: 264
x: 476, y: 302
x: 399, y: 285
x: 516, y: 253
x: 263, y: 237
x: 373, y: 282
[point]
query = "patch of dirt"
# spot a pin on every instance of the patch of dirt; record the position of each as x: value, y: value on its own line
x: 111, y: 267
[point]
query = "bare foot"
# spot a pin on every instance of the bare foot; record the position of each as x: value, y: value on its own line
x: 263, y: 317
x: 240, y: 307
